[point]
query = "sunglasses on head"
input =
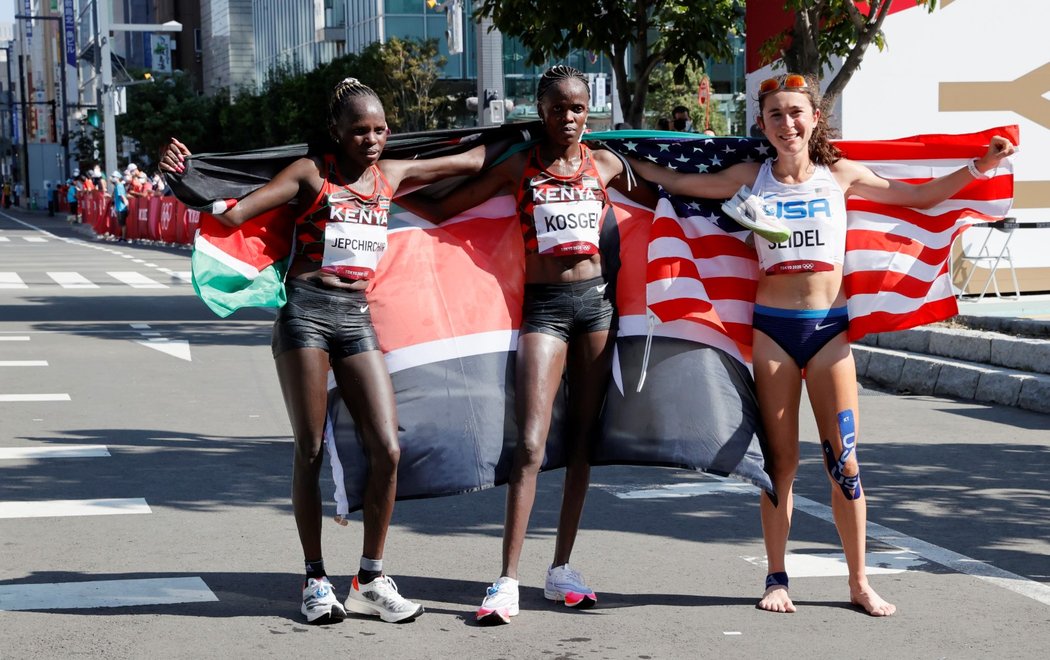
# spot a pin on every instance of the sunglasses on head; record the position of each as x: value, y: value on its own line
x: 791, y: 81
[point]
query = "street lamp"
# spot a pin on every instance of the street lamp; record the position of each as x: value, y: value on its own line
x: 106, y: 28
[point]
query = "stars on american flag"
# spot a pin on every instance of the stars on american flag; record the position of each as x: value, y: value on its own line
x: 698, y: 154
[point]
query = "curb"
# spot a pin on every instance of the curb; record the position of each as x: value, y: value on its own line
x: 968, y: 364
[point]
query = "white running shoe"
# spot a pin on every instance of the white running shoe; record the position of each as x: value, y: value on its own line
x: 501, y: 602
x: 566, y: 584
x: 319, y: 602
x: 747, y: 210
x: 380, y: 598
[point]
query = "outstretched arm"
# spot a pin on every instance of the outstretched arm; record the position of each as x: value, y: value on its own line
x: 865, y: 183
x: 426, y: 170
x: 302, y: 175
x: 467, y: 195
x: 718, y: 185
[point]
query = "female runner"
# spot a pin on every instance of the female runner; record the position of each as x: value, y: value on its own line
x: 560, y: 188
x: 800, y: 319
x: 325, y: 323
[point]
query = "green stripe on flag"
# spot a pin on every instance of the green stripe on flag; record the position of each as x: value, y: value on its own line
x: 225, y: 288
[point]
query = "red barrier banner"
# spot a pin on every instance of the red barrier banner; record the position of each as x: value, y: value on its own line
x: 153, y: 202
x: 188, y: 226
x: 88, y: 208
x: 168, y: 221
x: 131, y: 222
x: 107, y: 217
x: 138, y: 218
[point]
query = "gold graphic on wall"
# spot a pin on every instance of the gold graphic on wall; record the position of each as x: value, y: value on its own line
x: 1023, y: 96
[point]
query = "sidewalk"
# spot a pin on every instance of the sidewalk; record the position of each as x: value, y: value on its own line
x: 1030, y: 306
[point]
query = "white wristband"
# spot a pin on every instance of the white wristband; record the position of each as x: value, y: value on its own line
x: 971, y: 167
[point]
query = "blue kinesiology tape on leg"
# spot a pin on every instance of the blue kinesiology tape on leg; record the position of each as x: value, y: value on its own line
x: 850, y: 485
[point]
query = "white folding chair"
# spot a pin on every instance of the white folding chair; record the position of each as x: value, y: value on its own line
x: 983, y: 255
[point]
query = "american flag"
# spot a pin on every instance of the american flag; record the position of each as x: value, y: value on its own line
x: 701, y: 272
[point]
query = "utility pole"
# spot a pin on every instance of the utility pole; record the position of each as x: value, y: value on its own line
x: 103, y: 18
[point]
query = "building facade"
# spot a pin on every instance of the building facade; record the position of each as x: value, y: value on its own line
x: 227, y: 46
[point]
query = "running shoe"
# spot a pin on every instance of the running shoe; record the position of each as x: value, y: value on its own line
x: 747, y: 210
x: 501, y: 602
x: 380, y: 598
x: 319, y: 602
x: 566, y: 584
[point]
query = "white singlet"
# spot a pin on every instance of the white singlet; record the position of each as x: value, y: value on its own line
x: 814, y: 211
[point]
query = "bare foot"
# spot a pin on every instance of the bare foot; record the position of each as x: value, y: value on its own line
x: 776, y: 599
x: 871, y: 602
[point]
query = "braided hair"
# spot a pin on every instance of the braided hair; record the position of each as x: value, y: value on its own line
x: 555, y: 75
x: 821, y: 150
x: 346, y: 92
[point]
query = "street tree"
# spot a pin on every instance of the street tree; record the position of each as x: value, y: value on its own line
x: 823, y: 29
x: 167, y: 107
x: 678, y: 32
x: 665, y: 94
x: 406, y: 72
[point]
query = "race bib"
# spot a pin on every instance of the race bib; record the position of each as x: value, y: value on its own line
x: 351, y: 250
x: 567, y: 228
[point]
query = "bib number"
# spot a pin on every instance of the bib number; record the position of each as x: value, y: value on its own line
x: 351, y: 250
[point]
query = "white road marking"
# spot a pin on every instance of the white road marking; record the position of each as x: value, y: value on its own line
x: 175, y: 348
x: 104, y: 593
x: 69, y: 280
x: 921, y: 549
x: 14, y: 338
x: 136, y: 280
x: 23, y: 363
x: 884, y: 562
x: 62, y: 508
x: 689, y: 490
x: 953, y: 560
x: 35, y: 239
x: 11, y: 281
x: 26, y: 398
x: 52, y: 451
x: 4, y: 239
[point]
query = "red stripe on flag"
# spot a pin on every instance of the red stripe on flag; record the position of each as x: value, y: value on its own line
x: 878, y: 281
x: 860, y: 239
x: 931, y: 312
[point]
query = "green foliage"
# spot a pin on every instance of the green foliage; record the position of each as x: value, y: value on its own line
x: 84, y: 144
x: 408, y: 72
x: 292, y: 106
x: 665, y: 94
x: 681, y: 33
x: 165, y: 108
x: 830, y: 29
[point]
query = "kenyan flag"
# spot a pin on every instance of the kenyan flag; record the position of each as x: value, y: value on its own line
x: 243, y: 266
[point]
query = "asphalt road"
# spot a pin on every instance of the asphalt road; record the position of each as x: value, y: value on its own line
x: 168, y: 496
